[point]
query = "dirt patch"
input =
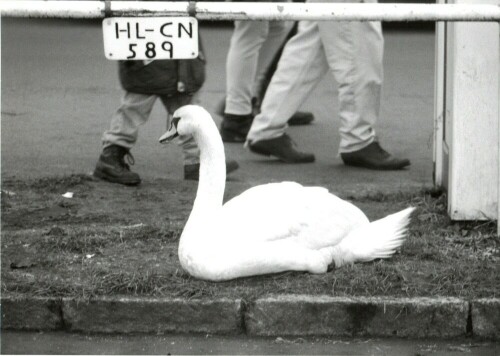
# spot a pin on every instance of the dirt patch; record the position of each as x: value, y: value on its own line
x: 110, y: 239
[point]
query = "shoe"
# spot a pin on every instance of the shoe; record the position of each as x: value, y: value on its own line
x: 374, y: 157
x: 111, y: 166
x: 234, y: 128
x: 301, y: 118
x: 298, y: 119
x: 192, y: 171
x: 282, y: 148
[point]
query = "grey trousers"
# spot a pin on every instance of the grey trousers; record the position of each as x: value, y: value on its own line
x: 253, y: 47
x: 353, y: 53
x: 135, y: 110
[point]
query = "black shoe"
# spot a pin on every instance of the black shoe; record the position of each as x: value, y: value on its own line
x: 374, y: 157
x: 234, y: 128
x: 111, y: 166
x: 301, y: 118
x: 282, y: 148
x: 298, y: 119
x: 192, y: 171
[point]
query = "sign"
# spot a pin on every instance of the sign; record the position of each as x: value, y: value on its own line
x: 150, y: 38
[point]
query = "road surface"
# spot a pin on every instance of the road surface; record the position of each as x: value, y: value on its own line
x: 59, y: 91
x: 63, y: 343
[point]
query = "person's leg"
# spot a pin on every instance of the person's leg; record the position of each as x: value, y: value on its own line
x: 279, y: 34
x: 190, y: 150
x: 354, y: 51
x: 241, y: 67
x: 121, y: 137
x: 270, y: 49
x: 301, y: 66
x: 132, y: 113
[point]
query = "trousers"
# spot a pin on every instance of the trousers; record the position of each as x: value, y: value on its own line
x: 252, y: 49
x: 135, y: 110
x: 353, y: 53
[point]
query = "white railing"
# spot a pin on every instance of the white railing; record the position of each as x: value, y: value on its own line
x: 252, y: 11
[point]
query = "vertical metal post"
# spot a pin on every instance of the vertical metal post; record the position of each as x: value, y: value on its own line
x: 466, y: 117
x: 471, y: 119
x: 439, y: 102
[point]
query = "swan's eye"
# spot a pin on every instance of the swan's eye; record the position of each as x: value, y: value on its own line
x: 175, y: 122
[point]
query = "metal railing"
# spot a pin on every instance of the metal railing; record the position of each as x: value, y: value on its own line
x: 252, y: 11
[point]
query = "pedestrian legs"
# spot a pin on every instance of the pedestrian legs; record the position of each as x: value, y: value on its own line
x: 135, y: 110
x: 278, y: 32
x: 354, y: 53
x: 252, y: 45
x: 132, y: 113
x: 300, y: 69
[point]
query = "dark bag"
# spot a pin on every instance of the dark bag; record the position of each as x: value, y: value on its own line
x: 164, y: 77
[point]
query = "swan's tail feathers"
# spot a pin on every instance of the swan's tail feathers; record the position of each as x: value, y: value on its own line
x: 378, y: 239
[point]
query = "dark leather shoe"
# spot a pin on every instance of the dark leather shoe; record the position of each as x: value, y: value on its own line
x: 282, y: 148
x: 192, y: 171
x: 111, y: 166
x: 301, y: 118
x: 234, y: 128
x: 298, y: 119
x: 374, y: 157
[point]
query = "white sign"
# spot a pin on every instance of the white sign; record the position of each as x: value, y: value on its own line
x: 150, y: 38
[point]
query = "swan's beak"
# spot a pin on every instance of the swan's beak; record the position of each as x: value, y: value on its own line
x: 171, y: 132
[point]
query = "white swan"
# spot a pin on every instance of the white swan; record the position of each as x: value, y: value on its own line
x: 273, y: 227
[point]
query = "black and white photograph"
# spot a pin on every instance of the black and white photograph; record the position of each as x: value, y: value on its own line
x: 277, y: 177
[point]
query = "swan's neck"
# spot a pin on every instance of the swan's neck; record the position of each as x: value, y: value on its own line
x: 212, y: 175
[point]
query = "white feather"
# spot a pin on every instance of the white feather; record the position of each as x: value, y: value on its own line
x: 379, y: 239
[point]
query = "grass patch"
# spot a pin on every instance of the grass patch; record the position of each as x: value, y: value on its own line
x: 116, y: 240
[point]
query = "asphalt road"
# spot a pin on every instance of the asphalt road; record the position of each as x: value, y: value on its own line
x: 79, y: 344
x: 59, y: 91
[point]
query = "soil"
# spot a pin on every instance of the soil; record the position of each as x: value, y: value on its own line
x: 110, y: 239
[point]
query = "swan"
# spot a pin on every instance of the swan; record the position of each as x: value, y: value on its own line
x: 273, y: 227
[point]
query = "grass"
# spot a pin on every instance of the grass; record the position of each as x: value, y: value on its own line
x: 115, y: 240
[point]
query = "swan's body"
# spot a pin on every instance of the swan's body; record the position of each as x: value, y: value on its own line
x: 273, y: 227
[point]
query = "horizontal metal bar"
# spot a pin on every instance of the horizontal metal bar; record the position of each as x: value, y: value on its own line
x: 253, y: 11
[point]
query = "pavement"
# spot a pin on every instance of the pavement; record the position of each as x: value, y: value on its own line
x: 61, y: 343
x: 58, y: 93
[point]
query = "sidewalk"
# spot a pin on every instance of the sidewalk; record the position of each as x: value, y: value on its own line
x: 56, y: 106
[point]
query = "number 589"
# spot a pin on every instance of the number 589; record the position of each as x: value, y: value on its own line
x: 150, y: 50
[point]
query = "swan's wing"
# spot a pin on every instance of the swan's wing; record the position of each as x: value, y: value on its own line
x: 263, y: 213
x: 311, y: 216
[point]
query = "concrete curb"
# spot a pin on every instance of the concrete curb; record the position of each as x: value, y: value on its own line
x: 130, y: 315
x: 306, y: 315
x: 485, y: 316
x: 297, y: 315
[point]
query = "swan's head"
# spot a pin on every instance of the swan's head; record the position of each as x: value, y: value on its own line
x: 186, y: 121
